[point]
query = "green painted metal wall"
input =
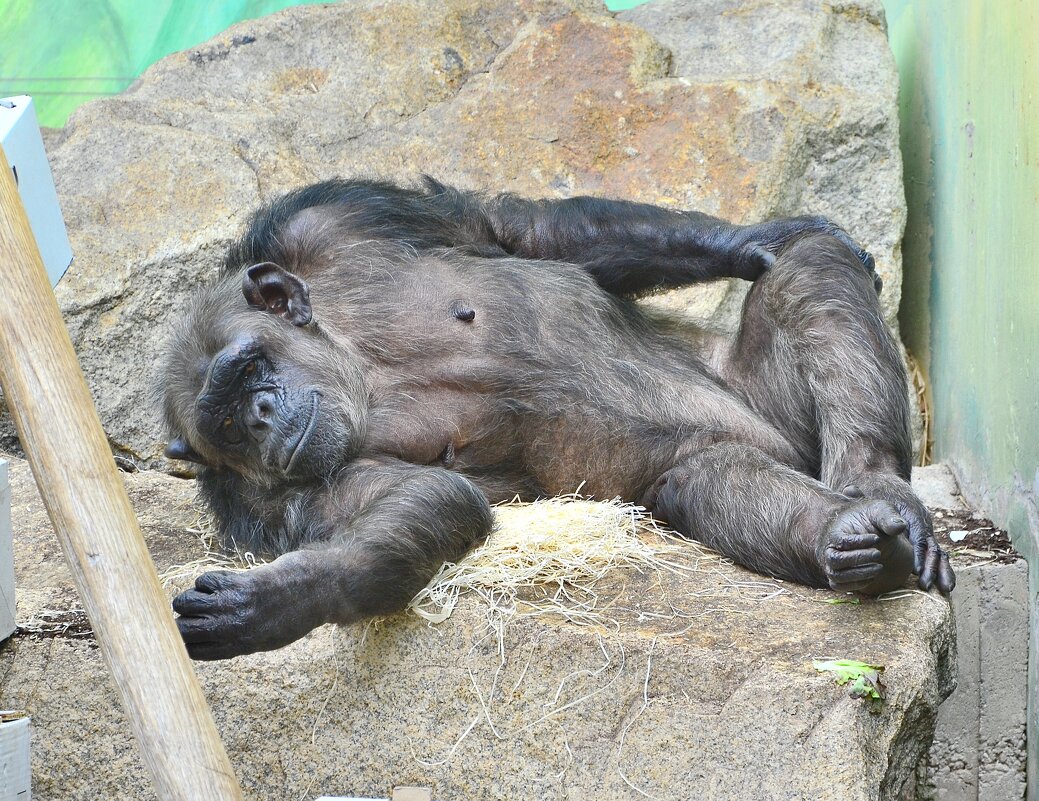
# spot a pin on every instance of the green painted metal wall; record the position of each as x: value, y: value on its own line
x: 970, y: 312
x: 970, y: 301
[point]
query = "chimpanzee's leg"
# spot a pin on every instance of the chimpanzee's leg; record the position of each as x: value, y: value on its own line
x: 773, y: 519
x: 814, y: 357
x: 394, y: 524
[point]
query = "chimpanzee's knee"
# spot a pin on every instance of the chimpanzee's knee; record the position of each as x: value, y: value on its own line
x: 816, y: 280
x: 819, y: 256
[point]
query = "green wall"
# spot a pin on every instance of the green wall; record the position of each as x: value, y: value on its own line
x: 65, y: 52
x: 970, y: 301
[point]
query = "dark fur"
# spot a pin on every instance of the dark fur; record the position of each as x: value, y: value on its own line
x: 466, y: 349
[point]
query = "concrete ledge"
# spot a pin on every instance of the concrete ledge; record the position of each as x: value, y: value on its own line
x: 979, y: 745
x: 705, y: 691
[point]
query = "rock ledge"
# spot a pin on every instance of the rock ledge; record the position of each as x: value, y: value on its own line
x: 705, y: 690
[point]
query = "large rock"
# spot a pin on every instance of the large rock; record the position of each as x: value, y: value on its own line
x: 704, y: 690
x: 742, y: 110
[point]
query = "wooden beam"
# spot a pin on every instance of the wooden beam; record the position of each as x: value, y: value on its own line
x: 91, y: 513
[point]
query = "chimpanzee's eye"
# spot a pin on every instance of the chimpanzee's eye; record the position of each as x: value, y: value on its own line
x: 250, y: 368
x: 228, y: 422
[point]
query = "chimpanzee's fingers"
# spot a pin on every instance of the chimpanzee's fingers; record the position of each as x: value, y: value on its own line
x: 919, y: 534
x: 855, y: 578
x: 919, y: 554
x: 213, y: 581
x: 863, y: 255
x: 931, y: 562
x: 854, y: 541
x: 946, y: 577
x: 197, y: 629
x: 890, y: 522
x: 193, y: 603
x: 763, y: 256
x: 844, y: 560
x: 754, y: 260
x: 871, y: 269
x: 836, y: 231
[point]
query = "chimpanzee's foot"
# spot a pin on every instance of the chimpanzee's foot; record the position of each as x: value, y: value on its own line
x: 865, y: 549
x: 930, y: 563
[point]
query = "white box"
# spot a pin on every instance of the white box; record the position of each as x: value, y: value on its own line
x: 14, y: 757
x: 23, y: 146
x: 6, y: 559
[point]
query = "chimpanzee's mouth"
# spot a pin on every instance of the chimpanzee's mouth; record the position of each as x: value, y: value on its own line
x: 306, y: 432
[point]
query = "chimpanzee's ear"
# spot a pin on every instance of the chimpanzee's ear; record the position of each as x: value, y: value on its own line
x: 269, y: 288
x: 179, y: 449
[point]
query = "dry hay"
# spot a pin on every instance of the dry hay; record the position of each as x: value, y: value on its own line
x: 542, y: 558
x: 919, y: 383
x: 546, y: 558
x: 178, y: 578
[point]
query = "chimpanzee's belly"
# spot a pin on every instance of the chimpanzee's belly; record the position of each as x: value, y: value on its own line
x: 561, y: 389
x: 514, y: 446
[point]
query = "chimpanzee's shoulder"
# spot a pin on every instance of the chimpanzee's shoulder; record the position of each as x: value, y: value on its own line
x: 425, y: 218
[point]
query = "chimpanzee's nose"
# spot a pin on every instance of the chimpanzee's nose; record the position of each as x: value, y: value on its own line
x: 259, y: 415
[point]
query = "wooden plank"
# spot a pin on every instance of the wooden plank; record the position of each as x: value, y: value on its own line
x: 88, y: 505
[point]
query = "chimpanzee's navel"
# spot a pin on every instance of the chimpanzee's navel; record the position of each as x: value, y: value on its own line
x: 463, y: 311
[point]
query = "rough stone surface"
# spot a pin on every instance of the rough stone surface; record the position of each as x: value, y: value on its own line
x: 745, y: 110
x: 936, y: 486
x: 829, y: 127
x: 717, y: 701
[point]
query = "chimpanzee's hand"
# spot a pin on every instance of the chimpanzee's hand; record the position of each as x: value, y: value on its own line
x: 233, y: 613
x: 761, y: 243
x: 930, y: 562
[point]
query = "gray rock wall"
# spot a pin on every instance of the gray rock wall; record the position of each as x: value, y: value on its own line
x: 745, y: 110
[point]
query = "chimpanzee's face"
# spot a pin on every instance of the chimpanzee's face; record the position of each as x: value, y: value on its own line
x: 257, y: 388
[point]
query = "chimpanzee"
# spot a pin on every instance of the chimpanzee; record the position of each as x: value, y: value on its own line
x: 376, y: 363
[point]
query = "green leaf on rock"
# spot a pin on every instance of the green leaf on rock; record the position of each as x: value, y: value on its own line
x: 864, y: 679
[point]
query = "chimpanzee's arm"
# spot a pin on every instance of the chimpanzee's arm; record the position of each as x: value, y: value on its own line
x: 631, y: 248
x: 400, y: 523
